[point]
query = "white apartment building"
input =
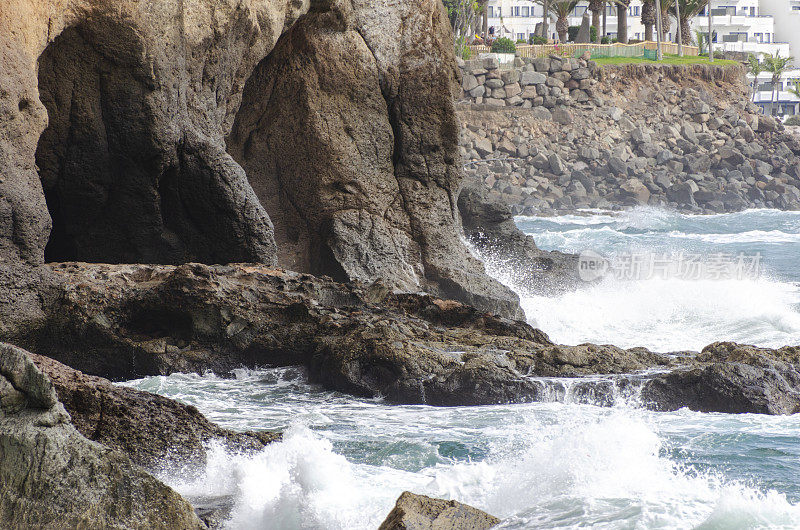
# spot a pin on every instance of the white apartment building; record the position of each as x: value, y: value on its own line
x: 787, y: 23
x: 517, y: 19
x: 785, y: 103
x: 741, y: 26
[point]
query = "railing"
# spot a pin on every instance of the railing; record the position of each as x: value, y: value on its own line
x: 596, y: 50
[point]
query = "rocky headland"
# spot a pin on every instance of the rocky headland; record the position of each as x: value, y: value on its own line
x: 209, y: 185
x: 684, y: 138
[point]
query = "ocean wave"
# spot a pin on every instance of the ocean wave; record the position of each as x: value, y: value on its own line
x: 554, y: 466
x: 671, y: 314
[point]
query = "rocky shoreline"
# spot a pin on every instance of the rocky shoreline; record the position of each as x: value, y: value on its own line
x: 371, y: 341
x: 203, y: 186
x: 689, y: 141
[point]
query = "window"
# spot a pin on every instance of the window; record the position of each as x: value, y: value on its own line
x: 520, y: 36
x: 638, y: 36
x: 767, y: 36
x: 758, y: 37
x: 491, y: 11
x: 526, y: 11
x: 516, y: 11
x: 752, y: 11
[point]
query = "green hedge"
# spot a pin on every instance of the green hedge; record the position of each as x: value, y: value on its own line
x: 504, y: 45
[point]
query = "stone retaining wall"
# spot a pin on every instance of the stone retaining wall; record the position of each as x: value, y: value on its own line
x: 542, y: 81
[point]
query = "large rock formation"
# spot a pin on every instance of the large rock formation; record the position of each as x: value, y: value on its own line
x: 418, y: 512
x: 113, y: 124
x: 127, y: 321
x: 52, y: 477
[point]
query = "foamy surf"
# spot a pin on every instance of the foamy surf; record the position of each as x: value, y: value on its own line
x: 667, y: 314
x: 544, y: 465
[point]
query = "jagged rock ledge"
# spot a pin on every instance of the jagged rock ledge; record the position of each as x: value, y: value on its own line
x: 53, y: 477
x: 127, y: 321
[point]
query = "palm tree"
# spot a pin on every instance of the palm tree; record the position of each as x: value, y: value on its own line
x: 666, y: 23
x: 795, y: 90
x: 545, y: 19
x: 596, y: 7
x: 561, y: 9
x: 755, y: 67
x: 776, y: 65
x: 648, y: 18
x: 688, y: 9
x: 622, y: 20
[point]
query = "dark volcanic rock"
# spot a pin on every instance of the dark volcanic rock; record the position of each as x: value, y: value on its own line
x: 489, y: 224
x: 418, y: 512
x: 152, y: 430
x: 734, y: 378
x: 136, y: 320
x: 52, y: 477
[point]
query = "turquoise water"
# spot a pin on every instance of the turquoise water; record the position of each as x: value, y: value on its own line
x: 344, y: 461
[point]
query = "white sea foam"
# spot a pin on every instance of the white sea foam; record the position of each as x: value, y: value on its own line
x: 671, y: 314
x: 553, y: 465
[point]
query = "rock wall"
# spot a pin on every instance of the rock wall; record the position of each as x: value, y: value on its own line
x: 531, y: 82
x: 117, y: 119
x: 681, y: 137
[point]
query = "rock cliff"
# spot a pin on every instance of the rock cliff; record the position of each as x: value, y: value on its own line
x: 117, y: 120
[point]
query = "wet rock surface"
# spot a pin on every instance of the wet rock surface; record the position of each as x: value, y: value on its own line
x: 155, y: 432
x: 53, y: 477
x: 128, y: 321
x: 418, y: 512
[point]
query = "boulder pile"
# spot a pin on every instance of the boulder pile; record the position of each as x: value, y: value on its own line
x: 689, y: 144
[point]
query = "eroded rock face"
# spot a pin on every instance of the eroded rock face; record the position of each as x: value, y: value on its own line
x: 733, y: 378
x: 418, y: 512
x: 52, y: 477
x: 113, y: 126
x: 155, y: 432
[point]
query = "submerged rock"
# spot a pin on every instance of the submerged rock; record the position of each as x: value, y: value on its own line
x: 53, y: 477
x: 418, y: 512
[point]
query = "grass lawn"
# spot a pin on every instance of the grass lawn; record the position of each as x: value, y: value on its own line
x: 668, y: 59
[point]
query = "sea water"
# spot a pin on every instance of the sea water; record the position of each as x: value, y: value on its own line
x: 344, y: 461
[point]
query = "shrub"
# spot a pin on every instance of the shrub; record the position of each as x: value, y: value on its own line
x: 592, y: 33
x: 537, y: 39
x: 466, y: 53
x: 521, y: 41
x: 504, y: 45
x: 605, y: 40
x: 572, y: 33
x: 793, y: 121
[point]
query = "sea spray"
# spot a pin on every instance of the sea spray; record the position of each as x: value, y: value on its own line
x: 549, y: 465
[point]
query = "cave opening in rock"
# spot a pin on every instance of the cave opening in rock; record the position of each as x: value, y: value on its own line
x: 98, y: 158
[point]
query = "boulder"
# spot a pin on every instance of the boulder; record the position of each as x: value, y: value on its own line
x: 584, y: 33
x: 150, y: 429
x: 562, y: 116
x: 418, y: 512
x: 636, y: 190
x: 732, y: 378
x: 52, y: 477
